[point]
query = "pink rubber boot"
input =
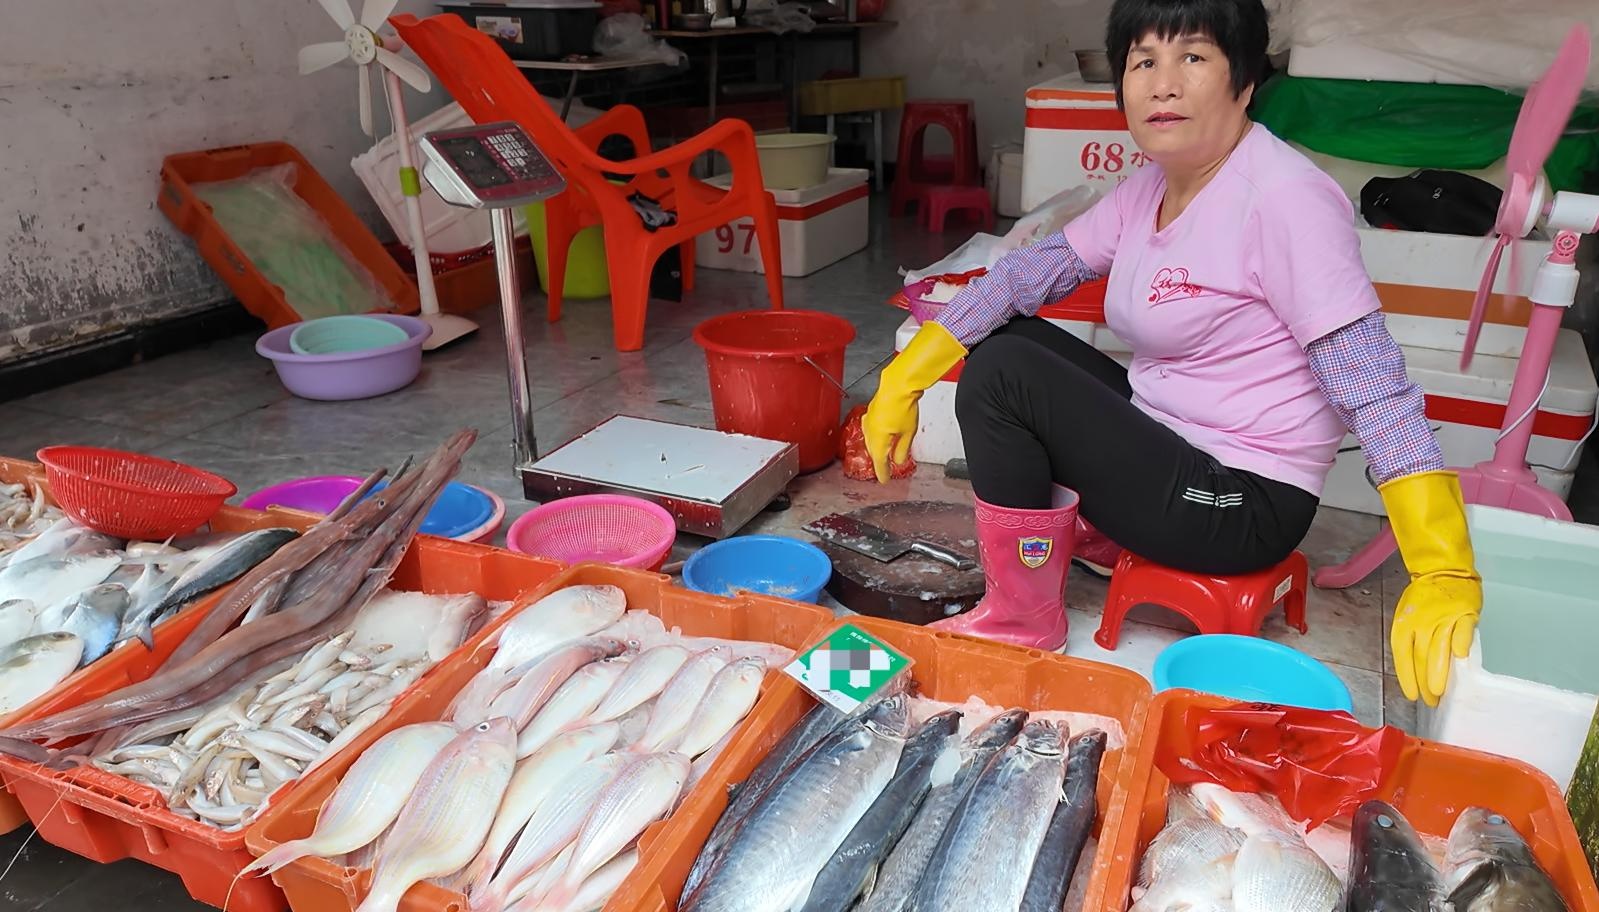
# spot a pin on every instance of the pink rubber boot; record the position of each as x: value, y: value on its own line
x: 1094, y: 551
x: 1025, y: 556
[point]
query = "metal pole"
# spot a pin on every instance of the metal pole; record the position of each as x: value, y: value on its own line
x: 515, y: 353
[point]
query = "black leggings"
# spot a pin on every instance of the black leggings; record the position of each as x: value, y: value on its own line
x: 1038, y: 405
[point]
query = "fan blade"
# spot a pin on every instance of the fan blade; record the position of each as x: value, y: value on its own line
x: 376, y: 12
x: 321, y: 56
x: 1479, y: 304
x: 366, y: 100
x: 340, y: 11
x: 414, y: 76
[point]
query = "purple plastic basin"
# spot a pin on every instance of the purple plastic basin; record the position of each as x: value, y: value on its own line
x: 347, y: 375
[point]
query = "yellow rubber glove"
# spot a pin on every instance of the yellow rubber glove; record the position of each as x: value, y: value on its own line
x: 1437, y: 614
x: 890, y: 420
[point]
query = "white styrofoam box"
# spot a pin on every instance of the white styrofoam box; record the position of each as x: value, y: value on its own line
x: 818, y: 226
x: 1074, y: 136
x: 1426, y: 282
x: 1004, y: 180
x: 1528, y: 688
x: 1466, y: 412
x: 449, y: 229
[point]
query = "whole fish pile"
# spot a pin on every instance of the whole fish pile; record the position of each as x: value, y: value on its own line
x: 68, y: 595
x: 309, y: 589
x: 586, y: 725
x: 1233, y: 852
x: 221, y: 761
x: 873, y: 813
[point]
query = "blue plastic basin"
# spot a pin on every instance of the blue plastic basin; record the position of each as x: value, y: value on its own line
x: 1250, y: 668
x: 767, y: 564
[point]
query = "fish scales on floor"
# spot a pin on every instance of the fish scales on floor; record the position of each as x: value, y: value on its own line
x: 69, y: 595
x: 305, y: 651
x: 1231, y: 852
x: 587, y: 724
x: 873, y: 813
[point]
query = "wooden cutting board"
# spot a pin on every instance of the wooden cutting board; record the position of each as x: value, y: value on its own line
x: 912, y: 588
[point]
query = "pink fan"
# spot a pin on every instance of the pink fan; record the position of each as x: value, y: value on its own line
x: 1505, y: 480
x: 1544, y: 112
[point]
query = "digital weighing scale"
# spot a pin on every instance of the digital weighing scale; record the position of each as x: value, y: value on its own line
x: 711, y: 482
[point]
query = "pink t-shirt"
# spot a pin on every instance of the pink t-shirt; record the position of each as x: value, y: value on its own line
x: 1219, y: 306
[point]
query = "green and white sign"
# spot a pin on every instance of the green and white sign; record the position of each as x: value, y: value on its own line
x: 848, y: 668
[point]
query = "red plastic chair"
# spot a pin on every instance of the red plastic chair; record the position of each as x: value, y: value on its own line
x: 939, y: 202
x: 1216, y: 604
x: 489, y: 87
x: 916, y: 171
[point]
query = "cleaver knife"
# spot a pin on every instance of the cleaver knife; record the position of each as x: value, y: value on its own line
x: 879, y: 543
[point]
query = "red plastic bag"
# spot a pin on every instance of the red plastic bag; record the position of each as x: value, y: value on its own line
x: 857, y: 461
x: 1318, y: 764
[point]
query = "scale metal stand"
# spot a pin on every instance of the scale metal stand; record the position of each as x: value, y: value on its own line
x: 712, y: 482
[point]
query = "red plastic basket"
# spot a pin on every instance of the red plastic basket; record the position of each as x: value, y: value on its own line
x: 131, y: 495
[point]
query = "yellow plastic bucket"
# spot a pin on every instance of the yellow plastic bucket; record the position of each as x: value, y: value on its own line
x: 586, y: 275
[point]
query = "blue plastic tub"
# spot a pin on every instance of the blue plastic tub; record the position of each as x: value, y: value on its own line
x: 462, y: 511
x: 1250, y: 668
x: 765, y: 564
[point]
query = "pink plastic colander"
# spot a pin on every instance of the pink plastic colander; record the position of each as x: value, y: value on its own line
x: 603, y: 528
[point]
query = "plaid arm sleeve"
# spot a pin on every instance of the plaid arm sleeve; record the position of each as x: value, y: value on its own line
x: 1362, y: 370
x: 1023, y: 281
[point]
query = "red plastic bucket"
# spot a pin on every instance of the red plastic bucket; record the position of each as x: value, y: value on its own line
x: 779, y: 374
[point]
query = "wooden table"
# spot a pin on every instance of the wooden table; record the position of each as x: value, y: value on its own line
x: 579, y: 67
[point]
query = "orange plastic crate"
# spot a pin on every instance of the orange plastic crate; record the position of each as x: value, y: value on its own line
x: 1431, y: 784
x: 228, y: 519
x: 179, y: 174
x: 946, y: 667
x: 317, y: 885
x: 106, y: 818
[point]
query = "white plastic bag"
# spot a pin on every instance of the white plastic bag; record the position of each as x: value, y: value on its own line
x: 1051, y: 216
x: 626, y: 35
x: 984, y: 250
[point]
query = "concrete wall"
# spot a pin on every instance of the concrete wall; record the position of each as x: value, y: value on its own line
x: 93, y: 93
x: 991, y: 51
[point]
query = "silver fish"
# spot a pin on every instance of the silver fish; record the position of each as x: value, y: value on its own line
x: 17, y: 617
x: 1188, y: 843
x: 1277, y: 872
x: 147, y: 596
x: 986, y: 856
x: 31, y: 666
x: 1490, y: 868
x: 226, y: 564
x: 53, y: 582
x: 795, y: 743
x: 764, y: 867
x: 95, y: 618
x: 847, y: 872
x: 902, y: 871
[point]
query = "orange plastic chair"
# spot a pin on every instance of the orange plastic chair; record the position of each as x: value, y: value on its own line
x: 489, y: 87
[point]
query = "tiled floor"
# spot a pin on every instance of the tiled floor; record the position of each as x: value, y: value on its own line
x: 220, y: 406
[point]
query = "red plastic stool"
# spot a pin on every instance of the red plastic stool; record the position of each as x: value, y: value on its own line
x: 911, y: 173
x: 939, y: 202
x: 1216, y: 604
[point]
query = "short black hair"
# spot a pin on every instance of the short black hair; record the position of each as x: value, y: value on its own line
x: 1238, y: 27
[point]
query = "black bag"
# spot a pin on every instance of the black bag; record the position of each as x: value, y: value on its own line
x: 1441, y: 202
